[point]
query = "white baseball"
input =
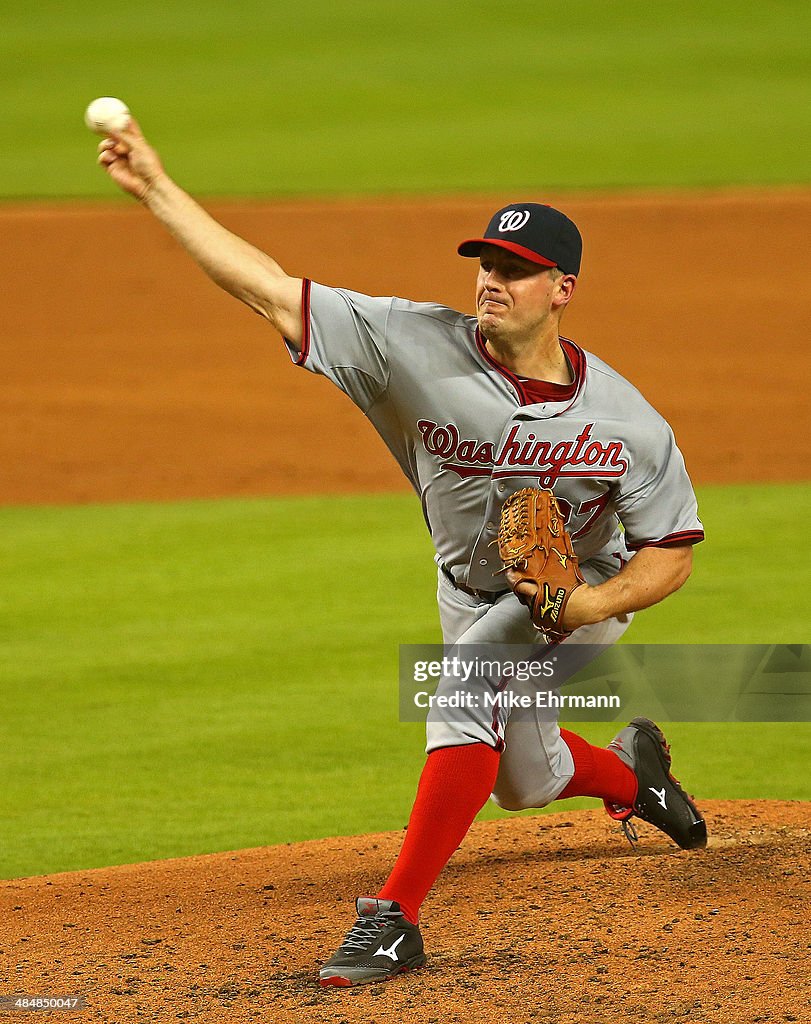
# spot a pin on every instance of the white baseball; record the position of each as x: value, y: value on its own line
x: 107, y: 114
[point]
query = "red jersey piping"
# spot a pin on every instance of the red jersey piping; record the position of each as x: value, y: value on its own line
x: 304, y: 351
x: 507, y: 374
x: 671, y: 540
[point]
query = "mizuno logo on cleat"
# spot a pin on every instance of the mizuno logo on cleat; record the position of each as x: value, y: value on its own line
x: 391, y: 951
x: 660, y: 796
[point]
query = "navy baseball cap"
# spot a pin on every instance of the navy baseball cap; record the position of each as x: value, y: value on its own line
x: 539, y: 233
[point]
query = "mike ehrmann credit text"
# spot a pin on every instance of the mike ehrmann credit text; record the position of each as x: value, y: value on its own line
x: 509, y: 700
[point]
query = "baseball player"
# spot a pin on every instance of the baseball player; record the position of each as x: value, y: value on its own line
x: 475, y: 408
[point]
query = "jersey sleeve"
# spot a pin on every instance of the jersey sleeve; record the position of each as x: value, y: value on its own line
x: 344, y: 339
x: 656, y: 503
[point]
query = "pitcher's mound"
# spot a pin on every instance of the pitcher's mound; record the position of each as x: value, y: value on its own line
x: 545, y: 919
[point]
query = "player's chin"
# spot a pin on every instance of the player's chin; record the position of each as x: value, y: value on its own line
x: 491, y: 325
x: 490, y: 314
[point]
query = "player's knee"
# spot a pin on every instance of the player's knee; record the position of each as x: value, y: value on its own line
x: 508, y: 801
x: 510, y: 797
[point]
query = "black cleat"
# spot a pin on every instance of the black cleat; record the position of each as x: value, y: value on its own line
x: 380, y: 945
x: 660, y: 799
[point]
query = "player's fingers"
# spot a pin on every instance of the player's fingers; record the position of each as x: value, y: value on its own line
x: 525, y: 592
x: 131, y: 134
x: 111, y: 145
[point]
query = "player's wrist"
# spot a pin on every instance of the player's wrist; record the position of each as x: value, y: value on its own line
x: 157, y: 191
x: 586, y: 605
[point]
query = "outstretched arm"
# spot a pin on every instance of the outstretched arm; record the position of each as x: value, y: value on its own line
x: 234, y: 264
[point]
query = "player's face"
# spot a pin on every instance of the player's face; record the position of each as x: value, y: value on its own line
x: 515, y: 297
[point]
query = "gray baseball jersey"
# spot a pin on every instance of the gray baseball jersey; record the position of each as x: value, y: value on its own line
x: 467, y: 433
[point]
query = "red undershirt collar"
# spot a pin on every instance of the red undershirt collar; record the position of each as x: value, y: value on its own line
x: 535, y: 392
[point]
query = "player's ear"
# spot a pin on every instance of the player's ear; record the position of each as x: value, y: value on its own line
x: 564, y: 288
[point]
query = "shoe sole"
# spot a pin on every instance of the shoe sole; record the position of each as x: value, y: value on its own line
x: 341, y: 981
x: 697, y: 833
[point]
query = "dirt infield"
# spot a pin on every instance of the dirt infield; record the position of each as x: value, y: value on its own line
x: 541, y: 920
x: 128, y: 375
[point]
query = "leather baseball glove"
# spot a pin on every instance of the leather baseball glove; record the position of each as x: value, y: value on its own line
x: 534, y: 544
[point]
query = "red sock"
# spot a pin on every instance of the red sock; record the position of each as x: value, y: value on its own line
x: 453, y: 788
x: 598, y: 772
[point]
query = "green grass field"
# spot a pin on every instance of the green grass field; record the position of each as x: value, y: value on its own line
x: 371, y: 96
x: 177, y: 679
